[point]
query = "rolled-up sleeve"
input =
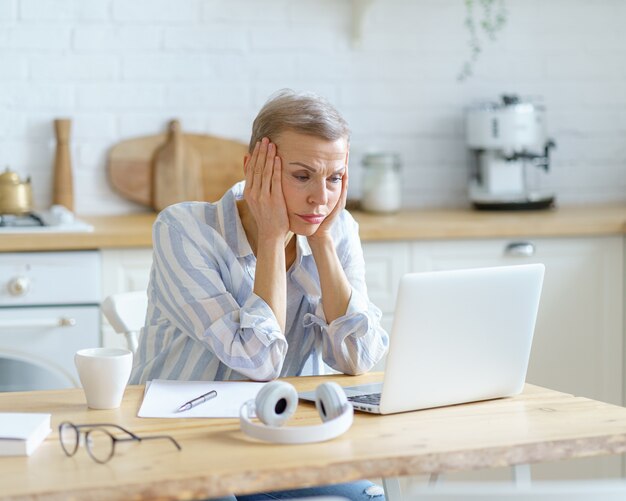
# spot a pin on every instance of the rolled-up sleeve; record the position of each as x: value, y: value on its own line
x: 354, y: 342
x: 191, y: 270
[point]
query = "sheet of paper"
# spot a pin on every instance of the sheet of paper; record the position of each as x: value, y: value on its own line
x: 163, y: 397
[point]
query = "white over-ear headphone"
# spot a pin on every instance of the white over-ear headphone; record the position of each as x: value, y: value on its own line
x: 276, y: 403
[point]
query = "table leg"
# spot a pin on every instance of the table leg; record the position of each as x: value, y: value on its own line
x: 434, y: 478
x: 521, y: 475
x: 520, y: 472
x: 392, y: 489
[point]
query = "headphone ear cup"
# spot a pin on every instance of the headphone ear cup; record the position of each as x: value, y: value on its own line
x: 330, y: 400
x: 276, y: 402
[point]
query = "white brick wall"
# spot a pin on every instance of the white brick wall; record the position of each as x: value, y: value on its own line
x: 123, y: 68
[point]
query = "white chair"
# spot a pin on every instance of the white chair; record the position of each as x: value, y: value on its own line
x: 126, y: 312
x: 566, y: 490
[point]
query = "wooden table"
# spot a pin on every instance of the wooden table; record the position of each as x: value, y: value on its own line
x: 216, y: 458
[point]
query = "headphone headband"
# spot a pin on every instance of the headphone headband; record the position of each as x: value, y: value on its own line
x: 296, y: 434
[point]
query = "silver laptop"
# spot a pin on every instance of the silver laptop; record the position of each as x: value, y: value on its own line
x: 457, y: 336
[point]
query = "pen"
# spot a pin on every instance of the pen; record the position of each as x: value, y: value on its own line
x: 198, y: 400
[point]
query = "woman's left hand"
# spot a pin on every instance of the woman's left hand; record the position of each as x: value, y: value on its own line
x: 323, y: 230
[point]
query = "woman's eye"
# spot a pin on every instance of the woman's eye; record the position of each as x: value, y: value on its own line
x: 301, y: 178
x: 335, y: 179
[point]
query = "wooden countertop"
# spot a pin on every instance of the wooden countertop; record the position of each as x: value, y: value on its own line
x: 128, y: 231
x: 463, y: 223
x: 135, y: 230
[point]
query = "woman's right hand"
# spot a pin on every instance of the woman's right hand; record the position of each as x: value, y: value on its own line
x: 264, y: 193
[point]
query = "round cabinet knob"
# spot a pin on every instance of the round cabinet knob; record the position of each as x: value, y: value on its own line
x: 18, y: 286
x: 67, y: 322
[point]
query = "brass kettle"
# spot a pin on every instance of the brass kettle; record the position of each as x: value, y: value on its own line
x: 16, y: 196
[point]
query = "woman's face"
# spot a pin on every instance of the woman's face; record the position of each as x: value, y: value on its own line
x: 312, y: 175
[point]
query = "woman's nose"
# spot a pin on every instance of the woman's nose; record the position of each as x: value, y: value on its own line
x: 318, y: 194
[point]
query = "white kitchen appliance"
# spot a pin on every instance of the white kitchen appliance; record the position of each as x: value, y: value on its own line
x: 511, y: 155
x: 49, y: 309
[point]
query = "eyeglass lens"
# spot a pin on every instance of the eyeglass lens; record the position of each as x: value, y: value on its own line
x: 100, y: 445
x: 68, y: 435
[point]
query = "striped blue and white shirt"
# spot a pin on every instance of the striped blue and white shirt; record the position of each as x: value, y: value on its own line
x: 204, y: 321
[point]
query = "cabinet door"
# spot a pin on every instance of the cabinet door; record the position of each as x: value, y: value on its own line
x: 123, y: 270
x: 577, y: 346
x: 385, y: 263
x: 578, y: 340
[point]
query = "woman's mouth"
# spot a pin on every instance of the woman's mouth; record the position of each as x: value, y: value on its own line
x: 312, y: 218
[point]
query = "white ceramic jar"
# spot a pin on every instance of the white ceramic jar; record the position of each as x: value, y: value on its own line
x: 381, y: 182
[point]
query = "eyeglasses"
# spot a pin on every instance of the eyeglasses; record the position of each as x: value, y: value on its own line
x: 100, y: 442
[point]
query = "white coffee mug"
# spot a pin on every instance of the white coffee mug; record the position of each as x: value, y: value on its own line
x: 104, y: 373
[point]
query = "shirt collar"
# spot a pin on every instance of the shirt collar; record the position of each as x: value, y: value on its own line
x: 229, y: 216
x: 304, y: 249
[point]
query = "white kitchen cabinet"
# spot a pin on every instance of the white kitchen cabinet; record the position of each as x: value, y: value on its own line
x: 385, y: 263
x: 123, y: 270
x: 577, y: 346
x: 578, y: 343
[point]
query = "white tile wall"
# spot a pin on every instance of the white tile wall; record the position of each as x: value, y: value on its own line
x: 122, y: 68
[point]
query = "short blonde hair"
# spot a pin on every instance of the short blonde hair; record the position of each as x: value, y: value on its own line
x: 302, y: 112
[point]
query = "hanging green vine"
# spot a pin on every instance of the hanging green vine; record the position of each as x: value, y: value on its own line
x: 491, y: 22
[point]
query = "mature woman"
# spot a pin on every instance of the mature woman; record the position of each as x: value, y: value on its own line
x: 269, y: 280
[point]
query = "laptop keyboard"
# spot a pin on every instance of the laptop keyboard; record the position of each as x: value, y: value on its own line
x: 371, y: 399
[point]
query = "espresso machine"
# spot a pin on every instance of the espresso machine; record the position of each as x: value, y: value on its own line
x: 511, y: 155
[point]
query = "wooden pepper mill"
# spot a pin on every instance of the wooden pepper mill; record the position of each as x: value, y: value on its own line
x: 63, y: 191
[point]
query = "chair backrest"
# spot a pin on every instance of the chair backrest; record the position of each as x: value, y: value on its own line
x: 574, y: 490
x: 126, y: 312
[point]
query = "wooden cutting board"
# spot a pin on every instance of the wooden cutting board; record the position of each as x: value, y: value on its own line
x: 176, y: 171
x: 138, y: 167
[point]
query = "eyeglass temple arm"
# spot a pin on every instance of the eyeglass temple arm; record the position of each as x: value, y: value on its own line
x: 141, y: 439
x: 152, y: 437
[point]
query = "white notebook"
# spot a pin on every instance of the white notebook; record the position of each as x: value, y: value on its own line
x: 162, y: 397
x: 21, y: 433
